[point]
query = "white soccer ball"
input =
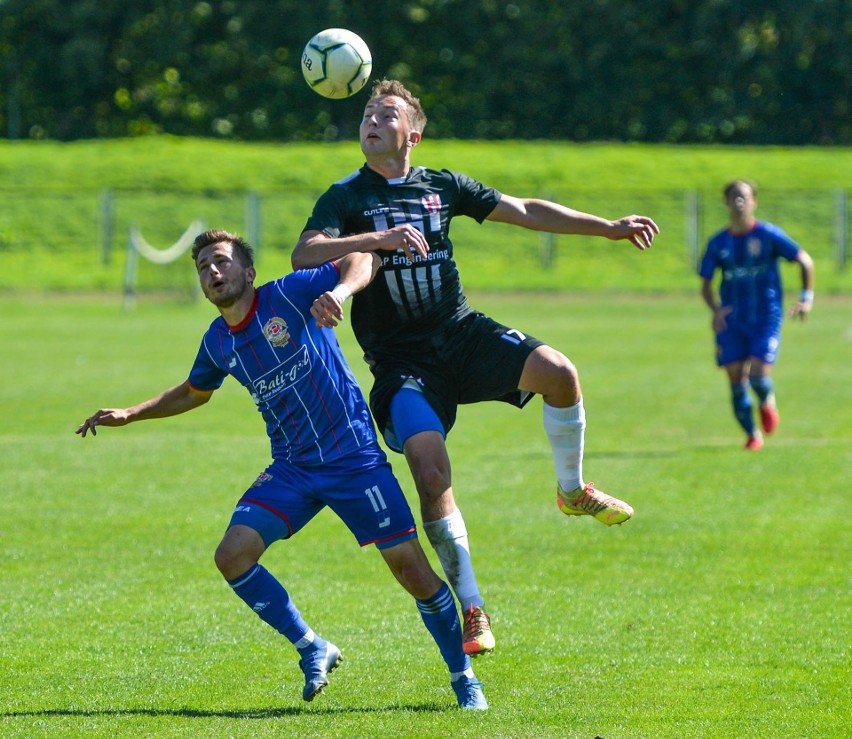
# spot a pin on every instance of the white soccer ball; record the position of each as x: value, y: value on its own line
x: 336, y: 63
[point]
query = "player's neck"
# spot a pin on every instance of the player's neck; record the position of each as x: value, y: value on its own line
x: 238, y: 311
x: 391, y: 168
x: 741, y: 226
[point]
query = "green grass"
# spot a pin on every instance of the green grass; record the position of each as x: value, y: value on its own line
x: 722, y: 609
x: 51, y: 237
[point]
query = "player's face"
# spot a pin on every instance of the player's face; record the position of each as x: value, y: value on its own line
x: 385, y: 128
x: 224, y: 280
x: 741, y: 202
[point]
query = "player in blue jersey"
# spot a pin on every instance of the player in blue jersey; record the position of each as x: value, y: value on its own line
x: 748, y: 313
x: 325, y: 450
x: 428, y: 349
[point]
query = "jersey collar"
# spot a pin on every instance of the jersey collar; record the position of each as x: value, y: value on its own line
x: 242, y: 324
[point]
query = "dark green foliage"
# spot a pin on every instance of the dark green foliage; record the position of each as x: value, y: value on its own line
x: 704, y: 71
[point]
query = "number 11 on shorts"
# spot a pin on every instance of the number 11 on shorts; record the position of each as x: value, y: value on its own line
x: 378, y: 503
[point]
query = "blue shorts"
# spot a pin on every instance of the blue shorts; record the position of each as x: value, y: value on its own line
x: 361, y: 489
x: 739, y: 342
x: 410, y: 414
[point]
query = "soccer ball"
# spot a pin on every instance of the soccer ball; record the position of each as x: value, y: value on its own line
x: 336, y: 63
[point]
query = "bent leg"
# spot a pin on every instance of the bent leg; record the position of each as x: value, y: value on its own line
x: 740, y: 399
x: 555, y: 378
x: 237, y: 559
x: 760, y: 379
x: 434, y: 600
x: 409, y: 565
x: 443, y: 523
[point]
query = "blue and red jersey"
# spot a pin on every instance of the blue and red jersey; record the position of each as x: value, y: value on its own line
x: 751, y: 283
x: 295, y: 372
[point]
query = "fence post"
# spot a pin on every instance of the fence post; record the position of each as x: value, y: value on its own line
x: 547, y: 244
x: 106, y: 225
x: 252, y: 221
x: 841, y: 228
x: 130, y: 271
x: 692, y: 225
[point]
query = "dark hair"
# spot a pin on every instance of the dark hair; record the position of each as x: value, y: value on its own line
x: 735, y: 183
x: 416, y: 116
x: 241, y: 247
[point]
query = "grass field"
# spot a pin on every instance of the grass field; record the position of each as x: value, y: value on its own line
x: 721, y: 610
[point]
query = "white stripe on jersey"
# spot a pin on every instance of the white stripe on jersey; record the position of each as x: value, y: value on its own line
x: 268, y: 404
x: 331, y: 375
x: 420, y: 285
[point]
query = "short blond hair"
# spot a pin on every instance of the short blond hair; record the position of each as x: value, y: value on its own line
x: 416, y: 116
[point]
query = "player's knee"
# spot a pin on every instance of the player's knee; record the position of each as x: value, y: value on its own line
x: 224, y: 559
x: 556, y: 377
x: 232, y: 560
x: 432, y: 480
x: 418, y: 578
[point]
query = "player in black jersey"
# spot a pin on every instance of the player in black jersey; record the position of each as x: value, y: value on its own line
x: 428, y: 349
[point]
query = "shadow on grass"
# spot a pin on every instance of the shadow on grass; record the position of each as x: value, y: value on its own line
x: 258, y: 713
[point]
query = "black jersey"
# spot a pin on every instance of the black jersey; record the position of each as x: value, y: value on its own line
x: 409, y: 302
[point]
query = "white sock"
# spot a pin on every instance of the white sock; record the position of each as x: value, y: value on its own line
x: 448, y: 537
x: 306, y: 640
x: 565, y: 429
x: 468, y: 673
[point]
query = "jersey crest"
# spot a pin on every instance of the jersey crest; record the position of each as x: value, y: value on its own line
x: 754, y: 247
x: 276, y: 331
x: 432, y: 203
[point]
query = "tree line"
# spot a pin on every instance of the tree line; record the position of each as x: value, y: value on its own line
x: 678, y: 71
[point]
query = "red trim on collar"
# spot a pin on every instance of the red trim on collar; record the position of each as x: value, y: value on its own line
x: 242, y: 324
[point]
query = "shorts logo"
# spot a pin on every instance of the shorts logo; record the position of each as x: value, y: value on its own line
x: 410, y: 381
x: 261, y: 478
x: 276, y: 331
x: 513, y: 336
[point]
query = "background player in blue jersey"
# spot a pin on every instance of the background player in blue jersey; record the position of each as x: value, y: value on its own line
x: 324, y: 447
x: 428, y: 349
x: 748, y: 313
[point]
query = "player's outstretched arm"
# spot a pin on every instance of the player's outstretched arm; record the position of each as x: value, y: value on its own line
x: 315, y: 247
x: 179, y: 399
x: 544, y: 215
x: 356, y: 272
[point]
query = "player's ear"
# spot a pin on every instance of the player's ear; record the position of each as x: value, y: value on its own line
x: 251, y: 273
x: 414, y: 139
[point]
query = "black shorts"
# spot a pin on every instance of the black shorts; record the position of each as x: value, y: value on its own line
x: 474, y: 359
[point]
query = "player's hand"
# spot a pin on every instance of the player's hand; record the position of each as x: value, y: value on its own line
x: 103, y: 417
x: 640, y: 230
x: 720, y: 316
x: 801, y: 309
x: 327, y: 310
x: 407, y: 238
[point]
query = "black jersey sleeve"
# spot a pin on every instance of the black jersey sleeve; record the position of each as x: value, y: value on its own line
x: 329, y: 213
x: 474, y: 199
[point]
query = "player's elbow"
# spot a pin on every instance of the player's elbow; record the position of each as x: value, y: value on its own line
x: 297, y: 258
x: 304, y: 254
x: 805, y: 259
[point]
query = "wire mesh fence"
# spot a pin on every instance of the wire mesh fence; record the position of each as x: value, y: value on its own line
x: 78, y: 240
